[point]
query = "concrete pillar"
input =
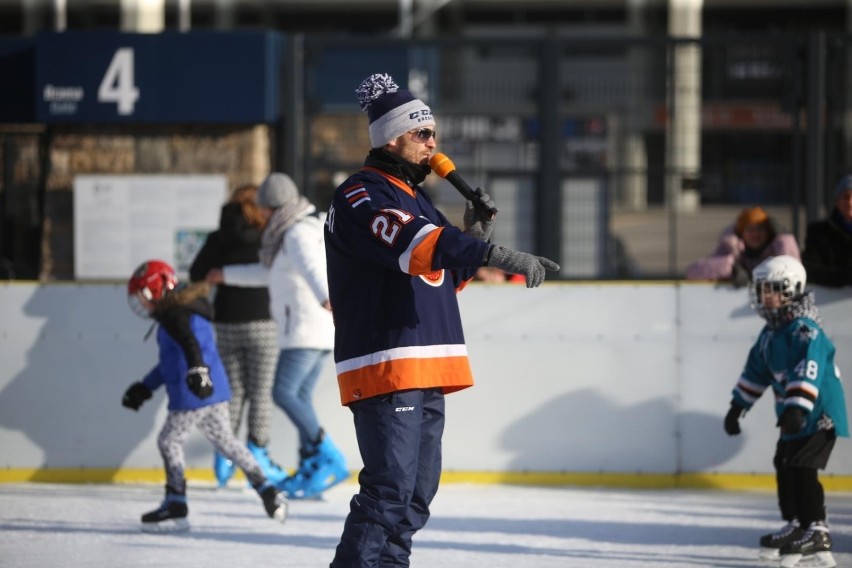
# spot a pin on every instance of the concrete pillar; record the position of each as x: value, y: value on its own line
x: 633, y: 185
x: 184, y: 15
x: 143, y: 16
x: 406, y: 18
x: 60, y: 15
x: 224, y: 19
x: 31, y: 16
x: 683, y: 140
x: 417, y: 19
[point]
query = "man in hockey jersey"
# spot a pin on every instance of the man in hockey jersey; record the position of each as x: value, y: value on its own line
x: 190, y: 368
x: 794, y: 357
x: 395, y: 264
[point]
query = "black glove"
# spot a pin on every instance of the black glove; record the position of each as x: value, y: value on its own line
x: 199, y: 382
x: 135, y: 395
x: 477, y: 221
x: 515, y: 262
x: 792, y: 420
x: 732, y: 419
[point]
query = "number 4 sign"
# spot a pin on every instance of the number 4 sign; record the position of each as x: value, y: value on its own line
x: 117, y: 85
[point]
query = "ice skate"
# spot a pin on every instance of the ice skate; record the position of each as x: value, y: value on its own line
x: 812, y: 548
x: 273, y: 502
x: 295, y: 487
x: 271, y: 470
x: 223, y: 468
x: 771, y: 544
x: 169, y: 517
x: 319, y: 472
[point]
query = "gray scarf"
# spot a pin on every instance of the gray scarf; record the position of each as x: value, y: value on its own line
x: 282, y: 219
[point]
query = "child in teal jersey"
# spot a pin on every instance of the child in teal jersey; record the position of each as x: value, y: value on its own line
x: 794, y: 357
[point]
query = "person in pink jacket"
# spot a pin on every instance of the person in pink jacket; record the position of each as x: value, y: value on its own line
x: 752, y: 239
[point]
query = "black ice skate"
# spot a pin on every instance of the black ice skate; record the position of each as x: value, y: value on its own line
x: 813, y: 548
x: 273, y: 501
x: 169, y: 517
x: 771, y: 544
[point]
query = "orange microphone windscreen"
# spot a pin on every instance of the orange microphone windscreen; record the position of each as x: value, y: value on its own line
x: 441, y: 164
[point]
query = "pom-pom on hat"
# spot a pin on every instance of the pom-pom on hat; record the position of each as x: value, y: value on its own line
x: 750, y: 216
x: 277, y: 190
x: 392, y: 111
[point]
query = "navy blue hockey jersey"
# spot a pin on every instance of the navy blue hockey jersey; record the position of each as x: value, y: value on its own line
x: 395, y: 264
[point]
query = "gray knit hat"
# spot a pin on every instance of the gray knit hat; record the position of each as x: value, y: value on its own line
x: 277, y: 190
x: 392, y: 111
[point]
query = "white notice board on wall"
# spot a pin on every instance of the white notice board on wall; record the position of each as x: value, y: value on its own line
x: 121, y: 221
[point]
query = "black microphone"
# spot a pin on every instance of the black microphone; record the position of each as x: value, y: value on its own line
x: 445, y: 168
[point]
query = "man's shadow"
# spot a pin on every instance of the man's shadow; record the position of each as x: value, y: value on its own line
x: 578, y: 433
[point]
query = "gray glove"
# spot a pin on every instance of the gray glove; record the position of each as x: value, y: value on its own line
x: 477, y: 221
x: 515, y: 262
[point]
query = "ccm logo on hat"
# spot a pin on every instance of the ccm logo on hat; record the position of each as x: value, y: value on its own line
x: 420, y: 114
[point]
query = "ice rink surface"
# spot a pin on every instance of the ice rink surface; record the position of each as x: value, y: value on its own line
x: 483, y: 526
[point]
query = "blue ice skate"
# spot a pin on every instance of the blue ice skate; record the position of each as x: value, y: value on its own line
x: 273, y: 472
x: 317, y: 473
x: 223, y: 469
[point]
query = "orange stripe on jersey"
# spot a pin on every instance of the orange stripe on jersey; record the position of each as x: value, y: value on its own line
x: 423, y: 253
x: 394, y: 180
x: 450, y: 374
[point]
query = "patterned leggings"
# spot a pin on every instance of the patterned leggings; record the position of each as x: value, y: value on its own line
x: 213, y: 421
x: 249, y: 351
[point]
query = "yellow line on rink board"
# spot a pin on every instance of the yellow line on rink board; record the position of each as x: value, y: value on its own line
x: 627, y: 480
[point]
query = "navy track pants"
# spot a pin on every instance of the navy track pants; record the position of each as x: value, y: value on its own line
x: 399, y: 436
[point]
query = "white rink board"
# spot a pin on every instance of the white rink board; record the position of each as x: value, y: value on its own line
x: 585, y: 377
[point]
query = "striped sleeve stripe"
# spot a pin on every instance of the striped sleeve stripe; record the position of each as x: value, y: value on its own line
x: 799, y: 401
x: 750, y: 391
x: 417, y: 258
x: 356, y: 195
x: 803, y: 389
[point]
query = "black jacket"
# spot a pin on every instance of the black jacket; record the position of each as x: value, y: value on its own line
x: 828, y: 252
x: 235, y: 242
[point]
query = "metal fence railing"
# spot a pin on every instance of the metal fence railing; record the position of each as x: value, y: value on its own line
x: 645, y: 146
x: 620, y: 157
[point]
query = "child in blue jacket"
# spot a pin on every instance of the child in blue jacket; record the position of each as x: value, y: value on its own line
x: 794, y: 357
x: 197, y: 386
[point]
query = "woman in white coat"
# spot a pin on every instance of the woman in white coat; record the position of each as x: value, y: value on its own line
x: 292, y: 263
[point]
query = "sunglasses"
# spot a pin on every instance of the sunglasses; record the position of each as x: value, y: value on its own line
x: 423, y: 135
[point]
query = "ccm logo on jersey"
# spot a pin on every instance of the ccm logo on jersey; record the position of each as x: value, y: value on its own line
x: 404, y: 409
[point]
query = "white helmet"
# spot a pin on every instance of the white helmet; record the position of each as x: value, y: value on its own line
x: 782, y: 275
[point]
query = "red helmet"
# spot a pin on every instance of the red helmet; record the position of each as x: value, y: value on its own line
x: 151, y: 281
